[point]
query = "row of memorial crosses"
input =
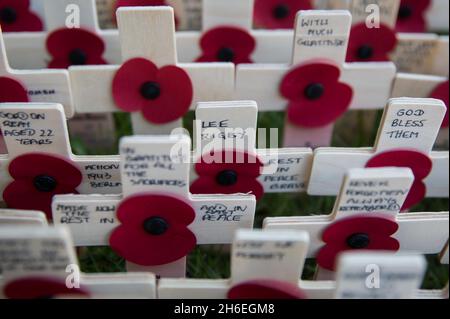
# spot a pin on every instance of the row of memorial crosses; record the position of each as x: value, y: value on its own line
x: 38, y: 132
x: 225, y: 159
x: 320, y: 42
x: 155, y: 173
x: 265, y: 264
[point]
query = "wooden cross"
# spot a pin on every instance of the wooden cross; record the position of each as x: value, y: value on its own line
x: 39, y: 129
x: 92, y: 85
x: 259, y: 260
x: 33, y: 85
x: 273, y: 46
x: 232, y: 126
x: 420, y: 85
x: 43, y: 258
x: 155, y: 170
x: 413, y: 52
x: 29, y: 51
x: 408, y: 125
x: 379, y: 275
x: 366, y: 216
x: 422, y: 59
x: 268, y: 256
x: 318, y: 35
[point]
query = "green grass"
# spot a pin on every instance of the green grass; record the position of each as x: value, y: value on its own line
x: 357, y: 129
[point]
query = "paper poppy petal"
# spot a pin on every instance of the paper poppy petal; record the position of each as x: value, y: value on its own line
x: 378, y: 228
x: 415, y: 21
x: 12, y: 91
x: 420, y: 164
x: 15, y: 192
x: 128, y: 81
x: 57, y: 167
x: 265, y: 289
x: 132, y: 242
x: 247, y: 168
x: 176, y: 96
x: 341, y: 229
x: 135, y: 209
x: 245, y: 185
x: 327, y: 256
x: 20, y: 5
x: 293, y: 85
x: 243, y: 163
x: 239, y: 40
x: 382, y: 41
x: 213, y: 58
x: 62, y: 42
x: 441, y: 92
x: 40, y: 288
x: 324, y: 111
x: 264, y: 13
x: 417, y: 193
x: 64, y: 63
x: 152, y: 251
x: 26, y: 22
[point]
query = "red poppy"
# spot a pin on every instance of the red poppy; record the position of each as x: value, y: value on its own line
x: 278, y: 14
x: 163, y: 95
x: 316, y: 97
x: 370, y: 44
x: 411, y: 16
x: 12, y: 91
x: 35, y: 185
x: 75, y: 47
x: 15, y: 16
x: 357, y: 233
x: 40, y: 288
x: 154, y: 229
x: 228, y: 172
x: 441, y: 93
x: 265, y: 289
x: 420, y: 164
x: 227, y: 44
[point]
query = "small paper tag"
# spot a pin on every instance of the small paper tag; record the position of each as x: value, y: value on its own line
x: 277, y: 255
x: 379, y: 276
x: 379, y: 190
x: 411, y: 123
x: 41, y: 251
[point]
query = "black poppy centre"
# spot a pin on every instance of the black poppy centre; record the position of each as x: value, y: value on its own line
x: 358, y: 241
x: 45, y: 183
x: 8, y: 15
x: 281, y: 11
x: 156, y: 226
x: 314, y: 91
x: 226, y: 54
x: 227, y: 178
x: 78, y: 57
x: 150, y: 90
x: 365, y: 52
x: 405, y: 12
